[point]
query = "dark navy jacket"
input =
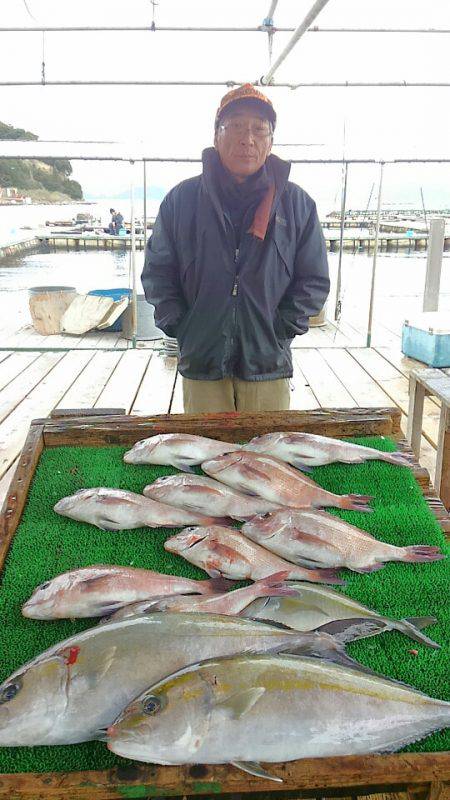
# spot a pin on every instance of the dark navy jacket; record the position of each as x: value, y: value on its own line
x: 235, y: 312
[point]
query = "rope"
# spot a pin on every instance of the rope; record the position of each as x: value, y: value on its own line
x: 43, y: 60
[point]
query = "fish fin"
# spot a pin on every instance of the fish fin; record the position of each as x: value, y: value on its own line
x: 241, y: 702
x: 348, y: 630
x: 272, y: 580
x: 217, y: 585
x: 355, y: 502
x: 369, y: 569
x: 400, y: 459
x: 254, y: 768
x: 245, y: 490
x: 253, y: 472
x: 274, y: 586
x: 184, y: 466
x: 107, y: 524
x: 420, y: 622
x: 100, y: 735
x: 419, y: 553
x: 322, y: 645
x: 324, y: 576
x: 274, y: 624
x: 300, y: 465
x: 411, y: 627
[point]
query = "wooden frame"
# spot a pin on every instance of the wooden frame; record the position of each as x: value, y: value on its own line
x: 422, y: 383
x: 421, y: 775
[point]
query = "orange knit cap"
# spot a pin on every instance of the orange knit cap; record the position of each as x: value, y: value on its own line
x: 248, y: 93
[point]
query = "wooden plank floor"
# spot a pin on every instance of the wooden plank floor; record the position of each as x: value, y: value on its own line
x: 345, y: 333
x: 143, y: 381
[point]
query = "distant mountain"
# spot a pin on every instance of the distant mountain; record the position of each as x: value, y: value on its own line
x: 43, y: 180
x: 153, y: 193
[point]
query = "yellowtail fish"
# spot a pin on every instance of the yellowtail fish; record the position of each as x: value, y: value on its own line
x: 251, y: 709
x: 78, y: 686
x: 319, y: 607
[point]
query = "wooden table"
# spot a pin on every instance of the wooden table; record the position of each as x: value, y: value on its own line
x: 434, y: 382
x: 421, y: 776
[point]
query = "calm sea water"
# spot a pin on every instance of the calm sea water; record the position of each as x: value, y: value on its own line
x: 20, y: 222
x: 399, y: 280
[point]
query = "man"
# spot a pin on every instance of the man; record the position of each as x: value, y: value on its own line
x: 116, y: 221
x: 236, y: 265
x: 112, y: 224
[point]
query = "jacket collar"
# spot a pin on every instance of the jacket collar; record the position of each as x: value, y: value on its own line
x: 278, y: 171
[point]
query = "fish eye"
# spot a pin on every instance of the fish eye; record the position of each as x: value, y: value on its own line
x: 9, y: 692
x: 151, y: 705
x: 44, y: 585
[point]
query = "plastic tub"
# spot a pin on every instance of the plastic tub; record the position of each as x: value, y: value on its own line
x: 146, y: 328
x: 47, y: 305
x: 44, y: 289
x: 116, y: 294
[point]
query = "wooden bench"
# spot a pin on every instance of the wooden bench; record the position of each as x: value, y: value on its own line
x: 434, y: 382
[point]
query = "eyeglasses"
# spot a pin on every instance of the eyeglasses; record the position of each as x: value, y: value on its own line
x: 237, y: 128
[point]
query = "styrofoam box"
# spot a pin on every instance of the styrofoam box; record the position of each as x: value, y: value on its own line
x: 426, y: 337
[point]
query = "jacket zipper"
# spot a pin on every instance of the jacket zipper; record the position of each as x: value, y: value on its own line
x: 236, y: 277
x: 234, y: 293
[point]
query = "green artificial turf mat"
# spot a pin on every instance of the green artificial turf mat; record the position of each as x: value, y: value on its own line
x: 47, y: 544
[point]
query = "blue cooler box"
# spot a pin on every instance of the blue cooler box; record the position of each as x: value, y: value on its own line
x: 427, y: 338
x: 116, y: 295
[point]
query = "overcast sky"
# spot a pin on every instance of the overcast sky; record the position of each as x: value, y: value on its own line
x: 380, y: 123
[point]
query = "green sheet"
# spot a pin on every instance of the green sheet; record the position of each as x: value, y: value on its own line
x: 47, y: 544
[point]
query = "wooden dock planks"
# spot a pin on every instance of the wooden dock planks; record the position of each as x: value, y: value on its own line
x: 122, y: 386
x: 324, y: 383
x: 155, y: 392
x: 144, y: 382
x: 89, y: 384
x: 39, y: 402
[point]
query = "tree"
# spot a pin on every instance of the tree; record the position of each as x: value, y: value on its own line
x: 27, y: 174
x: 9, y: 132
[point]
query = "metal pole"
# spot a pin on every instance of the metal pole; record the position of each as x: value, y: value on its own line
x: 374, y: 263
x: 145, y: 201
x: 434, y: 265
x: 164, y: 28
x: 337, y: 308
x: 311, y: 15
x: 133, y: 263
x: 268, y: 20
x: 424, y: 209
x: 231, y: 83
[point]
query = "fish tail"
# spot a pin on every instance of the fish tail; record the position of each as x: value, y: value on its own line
x: 272, y: 586
x: 421, y: 552
x: 355, y: 502
x: 216, y: 585
x: 322, y: 576
x: 411, y: 627
x: 400, y: 459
